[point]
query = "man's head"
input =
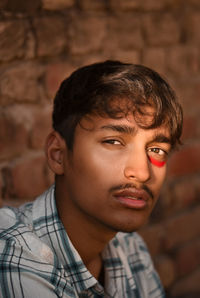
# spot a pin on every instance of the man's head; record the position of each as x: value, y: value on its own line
x: 115, y: 89
x: 114, y: 127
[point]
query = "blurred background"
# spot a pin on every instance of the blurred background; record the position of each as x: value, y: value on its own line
x: 42, y: 42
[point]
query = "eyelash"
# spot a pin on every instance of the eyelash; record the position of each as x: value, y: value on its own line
x: 112, y: 141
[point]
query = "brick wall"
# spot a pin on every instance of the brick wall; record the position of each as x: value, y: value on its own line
x: 42, y: 41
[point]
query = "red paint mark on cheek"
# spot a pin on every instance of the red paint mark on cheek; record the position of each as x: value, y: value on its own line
x: 156, y: 162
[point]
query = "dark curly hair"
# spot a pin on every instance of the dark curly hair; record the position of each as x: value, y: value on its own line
x: 114, y: 89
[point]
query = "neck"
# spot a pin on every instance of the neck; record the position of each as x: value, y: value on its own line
x: 88, y: 237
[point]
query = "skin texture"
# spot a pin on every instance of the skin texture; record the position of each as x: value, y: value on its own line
x: 108, y: 183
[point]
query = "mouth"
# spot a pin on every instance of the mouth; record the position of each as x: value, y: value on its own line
x: 133, y: 198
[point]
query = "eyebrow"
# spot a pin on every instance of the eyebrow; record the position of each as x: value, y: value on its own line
x: 159, y: 138
x: 120, y: 128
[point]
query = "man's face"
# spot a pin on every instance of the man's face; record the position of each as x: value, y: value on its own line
x: 113, y: 176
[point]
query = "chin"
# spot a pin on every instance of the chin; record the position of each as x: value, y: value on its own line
x: 129, y: 223
x: 128, y: 227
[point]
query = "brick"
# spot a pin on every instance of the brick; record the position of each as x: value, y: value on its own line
x: 127, y: 5
x: 128, y: 56
x: 188, y: 88
x: 120, y: 28
x: 161, y: 29
x: 30, y: 46
x: 119, y: 5
x: 182, y: 228
x: 190, y: 128
x: 95, y: 57
x: 155, y: 58
x: 23, y: 6
x: 175, y: 197
x: 185, y: 161
x: 191, y: 28
x: 166, y: 270
x: 13, y: 133
x: 188, y: 258
x: 187, y: 287
x: 14, y: 202
x: 193, y: 3
x: 183, y: 60
x: 55, y: 73
x: 189, y: 197
x: 57, y: 5
x: 12, y: 39
x: 3, y: 4
x: 41, y: 126
x: 83, y: 34
x: 12, y: 88
x: 153, y: 236
x: 154, y: 5
x: 25, y: 178
x: 51, y: 35
x: 93, y: 5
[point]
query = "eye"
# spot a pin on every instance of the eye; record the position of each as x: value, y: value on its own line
x: 112, y: 142
x: 157, y: 153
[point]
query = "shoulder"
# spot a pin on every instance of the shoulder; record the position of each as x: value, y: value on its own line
x: 18, y: 236
x: 8, y: 218
x: 14, y: 220
x: 29, y: 266
x: 17, y: 232
x: 23, y: 256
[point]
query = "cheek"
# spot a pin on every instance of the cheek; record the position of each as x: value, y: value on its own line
x: 95, y: 163
x: 91, y: 172
x: 158, y: 177
x: 156, y: 162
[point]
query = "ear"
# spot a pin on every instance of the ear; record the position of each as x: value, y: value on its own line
x: 55, y: 149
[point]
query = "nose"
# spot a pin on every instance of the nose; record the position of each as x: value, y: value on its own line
x: 137, y: 167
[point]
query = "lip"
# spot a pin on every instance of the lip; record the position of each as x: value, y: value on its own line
x: 133, y: 198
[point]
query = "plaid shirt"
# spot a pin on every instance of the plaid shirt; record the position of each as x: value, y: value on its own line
x: 37, y: 259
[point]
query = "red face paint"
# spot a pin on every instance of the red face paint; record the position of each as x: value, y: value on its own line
x: 156, y: 162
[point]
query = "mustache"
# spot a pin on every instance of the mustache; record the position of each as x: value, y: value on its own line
x: 131, y: 185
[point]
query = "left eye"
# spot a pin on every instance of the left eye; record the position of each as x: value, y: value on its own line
x: 158, y: 151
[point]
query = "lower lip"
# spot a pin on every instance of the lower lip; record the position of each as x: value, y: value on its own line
x: 131, y: 203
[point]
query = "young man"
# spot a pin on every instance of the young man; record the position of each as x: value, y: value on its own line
x: 115, y: 125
